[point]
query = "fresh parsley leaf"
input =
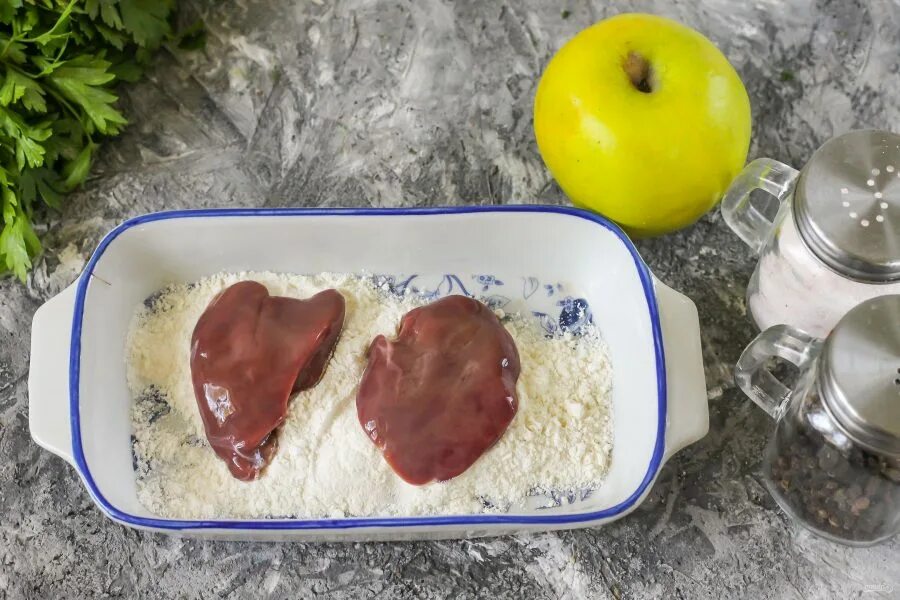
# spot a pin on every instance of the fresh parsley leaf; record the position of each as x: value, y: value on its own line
x: 40, y: 181
x: 116, y: 40
x: 30, y: 17
x: 66, y: 142
x: 59, y: 30
x: 60, y: 61
x: 91, y: 8
x: 28, y: 150
x: 127, y: 70
x: 46, y: 65
x: 80, y: 80
x: 9, y: 205
x: 110, y: 15
x: 17, y: 86
x: 146, y: 20
x: 27, y: 138
x: 8, y: 10
x: 12, y: 50
x: 18, y: 244
x: 76, y: 171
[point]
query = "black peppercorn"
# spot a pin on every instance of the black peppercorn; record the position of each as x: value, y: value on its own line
x: 848, y: 492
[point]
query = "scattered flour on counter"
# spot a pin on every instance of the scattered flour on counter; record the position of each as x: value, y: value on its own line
x: 559, y: 441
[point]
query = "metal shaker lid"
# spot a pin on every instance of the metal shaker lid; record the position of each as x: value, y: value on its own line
x: 847, y: 205
x: 860, y: 373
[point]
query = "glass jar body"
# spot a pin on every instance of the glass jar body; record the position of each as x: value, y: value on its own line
x: 790, y: 285
x: 826, y: 481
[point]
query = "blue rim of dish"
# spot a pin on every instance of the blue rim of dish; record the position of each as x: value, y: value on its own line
x: 358, y: 522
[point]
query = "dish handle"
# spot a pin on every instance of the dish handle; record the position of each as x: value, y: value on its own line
x: 687, y: 415
x: 48, y: 377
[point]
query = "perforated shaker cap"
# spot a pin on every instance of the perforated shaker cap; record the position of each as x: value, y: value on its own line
x: 847, y: 205
x: 859, y: 373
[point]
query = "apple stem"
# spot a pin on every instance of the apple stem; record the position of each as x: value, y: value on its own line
x: 639, y: 72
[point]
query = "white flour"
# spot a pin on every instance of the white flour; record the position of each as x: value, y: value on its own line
x: 559, y: 441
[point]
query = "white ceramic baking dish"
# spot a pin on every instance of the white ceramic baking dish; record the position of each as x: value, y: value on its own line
x: 79, y: 402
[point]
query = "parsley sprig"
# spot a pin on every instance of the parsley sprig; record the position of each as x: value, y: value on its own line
x: 59, y: 63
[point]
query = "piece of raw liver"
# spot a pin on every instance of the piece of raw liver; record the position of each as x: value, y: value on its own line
x: 441, y: 394
x: 249, y: 352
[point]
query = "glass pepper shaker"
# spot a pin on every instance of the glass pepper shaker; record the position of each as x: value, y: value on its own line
x: 833, y: 463
x: 835, y: 240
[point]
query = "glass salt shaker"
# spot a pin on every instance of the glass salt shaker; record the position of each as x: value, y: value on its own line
x: 833, y: 463
x: 835, y: 240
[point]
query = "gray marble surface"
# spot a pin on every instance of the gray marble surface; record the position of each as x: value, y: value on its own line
x: 392, y: 102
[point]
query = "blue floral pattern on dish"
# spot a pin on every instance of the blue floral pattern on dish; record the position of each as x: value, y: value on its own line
x: 575, y: 314
x: 552, y: 289
x: 486, y: 281
x: 495, y: 301
x: 568, y: 314
x: 392, y: 283
x: 530, y: 286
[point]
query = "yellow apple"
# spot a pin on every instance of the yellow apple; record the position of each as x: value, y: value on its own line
x: 643, y: 120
